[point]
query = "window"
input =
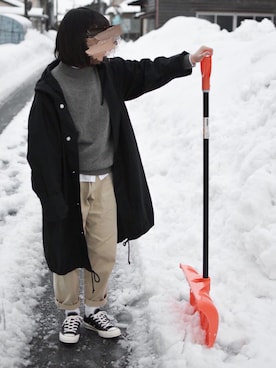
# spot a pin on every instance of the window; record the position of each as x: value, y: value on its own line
x: 230, y: 21
x: 240, y: 19
x: 225, y: 22
x: 209, y: 17
x: 260, y: 18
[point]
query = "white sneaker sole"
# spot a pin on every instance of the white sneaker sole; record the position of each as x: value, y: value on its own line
x: 69, y: 338
x: 113, y: 332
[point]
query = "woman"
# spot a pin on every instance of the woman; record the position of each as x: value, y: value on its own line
x: 86, y: 167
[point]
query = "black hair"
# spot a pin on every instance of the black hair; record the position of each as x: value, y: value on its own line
x: 73, y: 31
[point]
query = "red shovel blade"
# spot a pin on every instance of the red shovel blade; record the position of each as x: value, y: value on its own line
x: 201, y: 301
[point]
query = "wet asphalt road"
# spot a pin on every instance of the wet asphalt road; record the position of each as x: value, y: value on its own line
x: 11, y: 105
x: 91, y: 351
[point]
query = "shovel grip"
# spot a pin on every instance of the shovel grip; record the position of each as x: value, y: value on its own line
x: 206, y: 67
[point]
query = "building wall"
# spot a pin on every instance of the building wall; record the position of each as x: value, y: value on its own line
x: 150, y: 6
x: 233, y: 5
x: 169, y: 8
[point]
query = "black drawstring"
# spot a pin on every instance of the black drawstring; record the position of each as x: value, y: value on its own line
x: 94, y: 278
x: 127, y: 242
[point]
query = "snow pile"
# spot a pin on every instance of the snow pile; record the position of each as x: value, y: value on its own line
x: 242, y: 193
x: 168, y: 124
x: 18, y: 62
x: 21, y: 255
x: 20, y: 246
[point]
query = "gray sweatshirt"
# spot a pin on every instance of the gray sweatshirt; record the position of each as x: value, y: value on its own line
x: 82, y: 91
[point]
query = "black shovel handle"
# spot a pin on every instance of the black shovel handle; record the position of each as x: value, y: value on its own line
x: 205, y: 185
x: 206, y: 64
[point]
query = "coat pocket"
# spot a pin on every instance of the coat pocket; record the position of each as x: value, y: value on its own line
x: 54, y: 208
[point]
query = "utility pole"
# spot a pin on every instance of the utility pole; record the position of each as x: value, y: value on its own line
x: 101, y: 7
x: 26, y: 8
x: 55, y: 11
x: 156, y: 14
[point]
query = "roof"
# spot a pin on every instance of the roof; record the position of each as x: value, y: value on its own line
x: 126, y: 7
x: 123, y: 7
x: 13, y: 2
x: 137, y: 2
x: 34, y: 12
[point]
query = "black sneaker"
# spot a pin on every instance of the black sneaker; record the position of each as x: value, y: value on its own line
x: 100, y: 323
x: 70, y: 329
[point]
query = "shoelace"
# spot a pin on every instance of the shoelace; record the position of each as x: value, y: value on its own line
x: 103, y: 320
x: 71, y: 324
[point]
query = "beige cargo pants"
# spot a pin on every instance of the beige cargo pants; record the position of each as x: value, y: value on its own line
x: 99, y: 216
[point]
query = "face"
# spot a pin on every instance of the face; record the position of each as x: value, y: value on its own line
x: 99, y: 49
x: 102, y: 43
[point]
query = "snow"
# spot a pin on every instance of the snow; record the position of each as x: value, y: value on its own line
x: 19, y: 62
x: 164, y: 331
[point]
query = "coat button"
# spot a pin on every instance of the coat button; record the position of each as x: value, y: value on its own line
x: 78, y: 204
x: 73, y: 172
x: 61, y: 106
x: 68, y: 138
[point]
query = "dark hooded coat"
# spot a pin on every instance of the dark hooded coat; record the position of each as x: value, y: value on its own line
x: 53, y: 157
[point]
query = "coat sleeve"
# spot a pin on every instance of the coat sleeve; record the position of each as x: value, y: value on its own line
x: 134, y: 78
x: 44, y: 155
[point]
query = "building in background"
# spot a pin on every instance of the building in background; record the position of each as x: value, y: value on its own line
x: 47, y: 14
x: 138, y: 17
x: 40, y: 12
x: 228, y: 14
x: 120, y: 12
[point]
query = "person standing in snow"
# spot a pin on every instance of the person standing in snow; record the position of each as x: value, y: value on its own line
x: 85, y: 164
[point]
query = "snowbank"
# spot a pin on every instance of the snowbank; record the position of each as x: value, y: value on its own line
x: 242, y: 194
x: 19, y: 62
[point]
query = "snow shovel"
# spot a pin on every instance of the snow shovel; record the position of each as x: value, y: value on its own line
x: 200, y: 285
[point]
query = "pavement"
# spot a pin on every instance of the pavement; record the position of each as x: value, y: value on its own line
x: 11, y: 105
x: 91, y: 351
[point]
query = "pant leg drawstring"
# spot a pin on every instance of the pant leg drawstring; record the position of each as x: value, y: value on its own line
x: 94, y: 278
